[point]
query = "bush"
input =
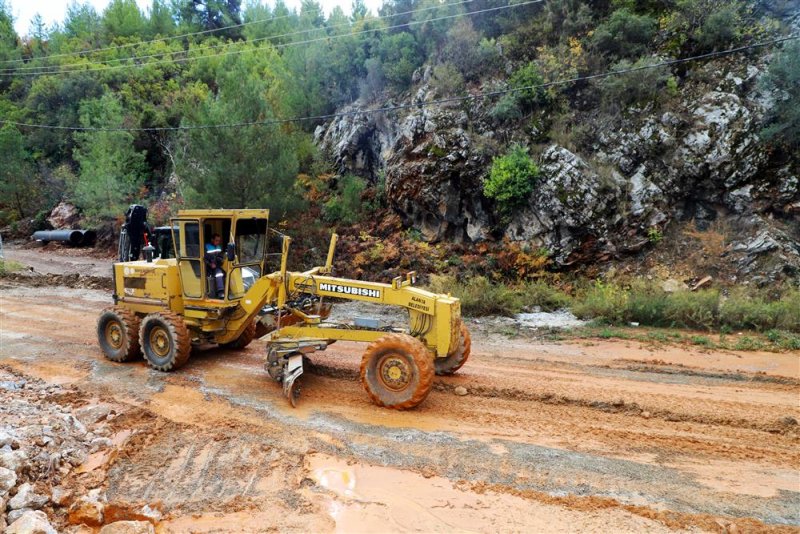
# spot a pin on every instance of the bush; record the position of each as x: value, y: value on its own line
x: 646, y: 305
x: 506, y: 109
x: 446, y: 80
x: 479, y: 296
x: 345, y: 206
x: 620, y: 91
x: 528, y: 79
x: 745, y: 310
x: 697, y: 309
x: 624, y: 35
x: 511, y: 179
x: 544, y: 295
x: 606, y: 302
x: 468, y: 52
x: 783, y: 75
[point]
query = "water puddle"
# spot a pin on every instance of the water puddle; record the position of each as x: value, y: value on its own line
x: 368, y: 498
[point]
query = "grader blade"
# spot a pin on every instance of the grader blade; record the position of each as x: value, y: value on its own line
x: 291, y: 388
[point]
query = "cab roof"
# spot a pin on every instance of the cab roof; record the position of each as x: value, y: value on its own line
x: 224, y: 214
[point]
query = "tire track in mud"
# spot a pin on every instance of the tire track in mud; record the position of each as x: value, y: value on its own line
x: 616, y: 407
x: 221, y: 403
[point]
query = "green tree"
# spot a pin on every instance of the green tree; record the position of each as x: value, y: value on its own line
x: 212, y: 14
x: 8, y: 37
x: 82, y: 22
x: 17, y: 189
x: 400, y: 57
x: 511, y: 180
x: 783, y: 77
x: 160, y: 21
x: 253, y: 166
x: 637, y: 87
x: 122, y: 18
x: 625, y: 34
x: 111, y: 170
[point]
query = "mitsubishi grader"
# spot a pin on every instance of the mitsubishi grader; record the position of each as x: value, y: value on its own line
x: 164, y: 306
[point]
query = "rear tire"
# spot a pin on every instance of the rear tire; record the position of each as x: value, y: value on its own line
x: 457, y: 357
x: 118, y: 334
x: 397, y: 371
x: 244, y: 339
x: 165, y: 340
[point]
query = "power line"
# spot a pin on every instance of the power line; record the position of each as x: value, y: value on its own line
x: 429, y: 103
x: 212, y: 30
x: 38, y: 70
x: 159, y: 40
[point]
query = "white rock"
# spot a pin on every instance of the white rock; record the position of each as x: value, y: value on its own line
x: 88, y: 509
x: 93, y: 413
x: 26, y: 497
x: 8, y: 439
x: 14, y: 460
x: 128, y: 527
x: 31, y: 522
x: 8, y: 479
x: 60, y: 496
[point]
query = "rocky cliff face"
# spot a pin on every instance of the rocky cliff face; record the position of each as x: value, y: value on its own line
x: 697, y: 157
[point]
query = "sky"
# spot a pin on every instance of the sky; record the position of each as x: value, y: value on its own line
x: 53, y: 11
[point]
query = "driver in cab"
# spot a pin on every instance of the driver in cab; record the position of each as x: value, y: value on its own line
x: 213, y: 259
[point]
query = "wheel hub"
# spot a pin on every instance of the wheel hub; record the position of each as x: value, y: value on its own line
x: 114, y: 335
x: 395, y: 372
x: 159, y: 342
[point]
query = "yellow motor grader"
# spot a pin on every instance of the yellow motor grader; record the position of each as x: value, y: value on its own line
x: 165, y: 305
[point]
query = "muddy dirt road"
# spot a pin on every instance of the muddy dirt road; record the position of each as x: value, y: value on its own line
x: 602, y: 436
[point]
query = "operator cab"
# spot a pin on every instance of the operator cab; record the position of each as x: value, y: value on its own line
x: 244, y: 250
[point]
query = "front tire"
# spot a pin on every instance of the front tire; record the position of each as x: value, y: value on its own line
x: 457, y: 357
x: 397, y: 371
x: 165, y: 341
x: 244, y: 339
x: 118, y: 334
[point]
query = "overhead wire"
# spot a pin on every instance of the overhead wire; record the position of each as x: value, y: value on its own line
x: 78, y: 53
x: 70, y: 68
x: 429, y: 103
x: 222, y: 45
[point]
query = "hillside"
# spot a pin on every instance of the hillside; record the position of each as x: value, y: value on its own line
x: 554, y: 134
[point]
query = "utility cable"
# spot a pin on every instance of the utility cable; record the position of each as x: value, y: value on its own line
x: 70, y: 68
x: 204, y: 32
x: 429, y: 103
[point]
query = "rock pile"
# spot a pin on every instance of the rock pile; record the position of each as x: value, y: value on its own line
x: 47, y: 439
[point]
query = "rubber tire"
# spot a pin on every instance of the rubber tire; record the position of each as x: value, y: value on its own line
x: 458, y: 357
x: 179, y: 337
x: 244, y: 339
x: 416, y: 355
x: 129, y: 324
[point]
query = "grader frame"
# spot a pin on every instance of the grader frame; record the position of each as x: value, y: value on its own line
x: 163, y: 308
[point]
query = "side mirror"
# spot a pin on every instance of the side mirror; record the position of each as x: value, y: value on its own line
x: 231, y: 251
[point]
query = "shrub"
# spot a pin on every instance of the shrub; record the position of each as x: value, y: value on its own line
x: 646, y: 305
x: 446, y: 80
x: 783, y: 75
x: 697, y: 309
x: 511, y: 179
x: 745, y: 310
x: 606, y: 302
x: 527, y: 79
x: 506, y: 109
x: 620, y: 91
x: 544, y: 295
x: 468, y: 52
x: 479, y: 296
x: 624, y: 35
x: 345, y: 206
